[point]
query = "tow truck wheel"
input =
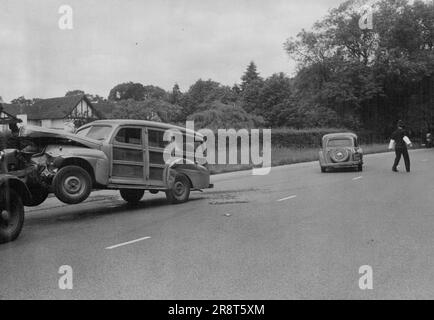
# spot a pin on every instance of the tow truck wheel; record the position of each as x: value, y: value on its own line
x: 11, y: 215
x: 72, y: 184
x: 132, y: 195
x: 39, y: 195
x: 180, y: 191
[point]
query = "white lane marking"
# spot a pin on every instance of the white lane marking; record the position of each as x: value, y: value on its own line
x: 357, y: 178
x: 127, y: 243
x: 287, y: 198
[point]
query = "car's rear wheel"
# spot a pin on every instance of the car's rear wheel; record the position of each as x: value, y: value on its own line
x: 132, y: 195
x: 11, y: 215
x: 72, y: 184
x: 323, y: 169
x: 180, y: 191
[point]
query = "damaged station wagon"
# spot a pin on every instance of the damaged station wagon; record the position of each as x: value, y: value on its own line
x: 127, y: 155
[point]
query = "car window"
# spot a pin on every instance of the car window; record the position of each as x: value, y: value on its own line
x: 83, y: 132
x: 155, y: 139
x: 130, y: 136
x: 340, y: 143
x: 95, y: 132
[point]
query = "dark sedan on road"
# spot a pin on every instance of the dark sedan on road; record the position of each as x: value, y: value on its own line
x: 340, y: 150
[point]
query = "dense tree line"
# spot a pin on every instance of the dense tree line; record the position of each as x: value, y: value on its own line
x: 346, y: 77
x: 369, y: 78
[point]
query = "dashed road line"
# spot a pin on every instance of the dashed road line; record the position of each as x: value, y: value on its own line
x: 287, y: 198
x: 357, y: 178
x: 126, y: 243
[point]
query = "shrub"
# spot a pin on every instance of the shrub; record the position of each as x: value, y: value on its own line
x: 308, y: 138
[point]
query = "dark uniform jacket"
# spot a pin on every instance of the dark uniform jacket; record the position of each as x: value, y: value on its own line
x: 398, y: 136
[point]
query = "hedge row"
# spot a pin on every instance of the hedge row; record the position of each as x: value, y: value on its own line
x: 308, y: 138
x: 311, y: 138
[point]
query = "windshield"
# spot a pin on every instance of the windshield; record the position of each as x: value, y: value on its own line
x: 340, y: 143
x: 95, y: 132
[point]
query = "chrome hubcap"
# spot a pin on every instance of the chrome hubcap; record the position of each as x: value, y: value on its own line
x: 5, y: 215
x: 179, y: 188
x: 72, y: 185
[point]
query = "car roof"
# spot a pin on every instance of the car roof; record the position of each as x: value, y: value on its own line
x: 131, y: 122
x: 145, y: 123
x: 340, y: 135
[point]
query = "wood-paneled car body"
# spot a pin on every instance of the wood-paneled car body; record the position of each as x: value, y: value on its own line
x: 115, y: 154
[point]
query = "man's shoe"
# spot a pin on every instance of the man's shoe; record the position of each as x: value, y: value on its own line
x: 394, y: 170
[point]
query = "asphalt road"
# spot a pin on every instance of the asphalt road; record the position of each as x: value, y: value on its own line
x: 293, y: 234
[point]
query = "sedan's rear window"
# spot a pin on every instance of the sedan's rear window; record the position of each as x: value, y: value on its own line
x: 340, y: 143
x: 95, y: 132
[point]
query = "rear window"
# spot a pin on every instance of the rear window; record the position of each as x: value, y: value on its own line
x: 156, y: 139
x: 95, y: 132
x: 340, y: 143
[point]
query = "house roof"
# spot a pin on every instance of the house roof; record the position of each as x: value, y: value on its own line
x: 13, y: 109
x: 6, y: 117
x: 54, y: 108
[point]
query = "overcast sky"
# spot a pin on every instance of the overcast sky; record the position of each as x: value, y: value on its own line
x: 151, y: 42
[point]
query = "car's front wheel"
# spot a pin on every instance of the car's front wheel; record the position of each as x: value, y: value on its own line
x: 72, y: 184
x: 11, y: 215
x: 132, y: 195
x: 180, y: 191
x: 360, y: 167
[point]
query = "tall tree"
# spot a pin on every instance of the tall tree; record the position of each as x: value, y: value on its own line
x: 275, y: 93
x: 250, y: 75
x: 149, y: 109
x: 175, y: 95
x: 202, y: 93
x: 154, y: 92
x: 365, y: 76
x: 136, y: 91
x: 128, y: 90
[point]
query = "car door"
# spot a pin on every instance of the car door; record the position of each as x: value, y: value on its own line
x: 155, y: 148
x: 129, y: 158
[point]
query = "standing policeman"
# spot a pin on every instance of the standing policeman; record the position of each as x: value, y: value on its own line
x: 400, y: 140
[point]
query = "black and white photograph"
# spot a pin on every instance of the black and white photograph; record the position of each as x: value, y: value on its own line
x: 204, y: 150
